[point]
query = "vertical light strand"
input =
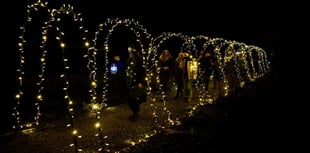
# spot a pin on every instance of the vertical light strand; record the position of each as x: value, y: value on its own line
x: 246, y: 63
x: 100, y: 138
x: 202, y: 96
x: 16, y: 114
x: 68, y: 10
x: 205, y: 96
x: 253, y: 71
x: 228, y: 72
x: 265, y: 65
x: 218, y: 43
x: 239, y: 67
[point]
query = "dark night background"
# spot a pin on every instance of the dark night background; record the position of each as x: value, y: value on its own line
x: 273, y: 27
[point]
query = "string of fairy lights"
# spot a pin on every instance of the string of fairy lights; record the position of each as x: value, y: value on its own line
x: 156, y: 43
x: 240, y: 55
x: 22, y: 60
x: 136, y: 28
x: 203, y: 96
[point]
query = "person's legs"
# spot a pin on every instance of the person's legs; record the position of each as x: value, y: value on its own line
x: 207, y: 80
x: 135, y: 108
x: 179, y: 89
x: 188, y: 90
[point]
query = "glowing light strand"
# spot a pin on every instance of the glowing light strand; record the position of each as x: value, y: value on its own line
x: 134, y: 27
x: 16, y: 114
x: 68, y: 10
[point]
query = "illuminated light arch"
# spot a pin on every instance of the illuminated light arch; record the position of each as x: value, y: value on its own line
x: 253, y: 74
x: 219, y: 44
x: 232, y: 74
x: 68, y: 10
x: 155, y: 44
x: 204, y: 96
x: 136, y: 28
x: 231, y: 82
x: 258, y: 62
x: 265, y: 62
x: 247, y: 58
x: 262, y: 62
x: 244, y: 63
x: 241, y: 64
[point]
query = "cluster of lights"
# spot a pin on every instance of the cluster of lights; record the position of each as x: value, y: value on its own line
x: 253, y: 69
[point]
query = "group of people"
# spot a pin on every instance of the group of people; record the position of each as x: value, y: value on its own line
x: 183, y: 70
